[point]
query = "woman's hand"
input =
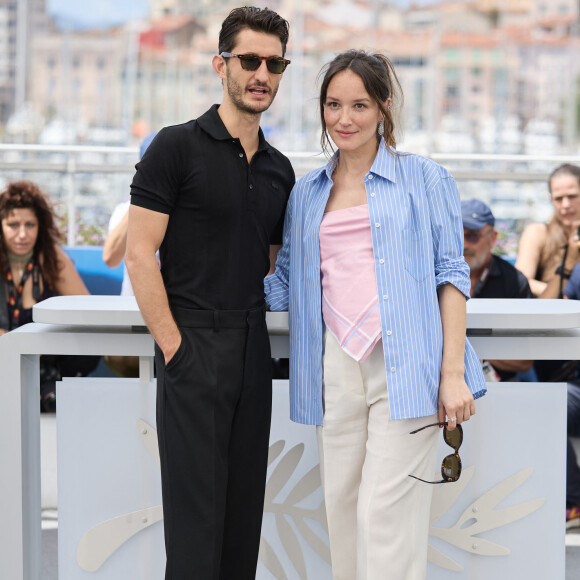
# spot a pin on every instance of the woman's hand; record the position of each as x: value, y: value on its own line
x: 455, y: 401
x: 3, y: 331
x: 573, y: 253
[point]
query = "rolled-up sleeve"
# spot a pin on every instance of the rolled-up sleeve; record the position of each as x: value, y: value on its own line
x: 447, y: 230
x: 276, y: 286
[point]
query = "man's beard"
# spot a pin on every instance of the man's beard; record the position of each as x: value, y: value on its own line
x: 476, y: 262
x: 236, y: 93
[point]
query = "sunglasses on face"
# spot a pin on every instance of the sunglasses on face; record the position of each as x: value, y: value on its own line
x: 275, y: 64
x: 474, y: 237
x: 451, y: 465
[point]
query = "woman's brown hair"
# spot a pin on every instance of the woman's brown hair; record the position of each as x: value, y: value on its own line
x: 27, y: 195
x: 557, y: 237
x: 378, y: 75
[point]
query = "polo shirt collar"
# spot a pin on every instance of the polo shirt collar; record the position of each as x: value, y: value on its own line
x: 213, y: 125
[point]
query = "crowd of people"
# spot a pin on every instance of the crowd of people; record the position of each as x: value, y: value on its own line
x: 353, y: 250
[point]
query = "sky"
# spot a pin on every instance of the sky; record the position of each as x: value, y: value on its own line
x: 97, y: 12
x: 108, y: 12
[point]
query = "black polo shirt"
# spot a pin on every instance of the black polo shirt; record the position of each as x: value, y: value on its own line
x: 504, y: 281
x: 223, y: 212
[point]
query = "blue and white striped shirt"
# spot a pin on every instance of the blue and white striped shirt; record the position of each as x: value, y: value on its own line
x: 417, y: 234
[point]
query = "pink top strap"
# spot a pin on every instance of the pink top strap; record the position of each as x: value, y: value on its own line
x: 350, y: 303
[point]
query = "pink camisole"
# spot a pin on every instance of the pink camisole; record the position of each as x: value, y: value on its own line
x: 350, y: 303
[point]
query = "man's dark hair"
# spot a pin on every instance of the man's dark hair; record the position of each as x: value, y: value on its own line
x: 252, y: 18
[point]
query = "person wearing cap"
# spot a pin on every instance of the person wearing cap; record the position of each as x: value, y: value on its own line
x: 491, y: 276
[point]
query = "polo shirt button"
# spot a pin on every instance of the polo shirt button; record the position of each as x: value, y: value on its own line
x: 381, y: 261
x: 377, y: 225
x: 389, y: 332
x: 393, y: 369
x: 385, y: 296
x: 241, y: 154
x: 251, y: 186
x: 373, y: 194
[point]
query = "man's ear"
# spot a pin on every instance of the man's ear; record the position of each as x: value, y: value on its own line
x: 219, y: 66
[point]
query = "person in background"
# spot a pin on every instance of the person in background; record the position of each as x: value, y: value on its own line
x: 34, y: 267
x: 374, y: 280
x: 566, y: 284
x: 491, y: 276
x: 210, y: 194
x: 113, y: 254
x: 542, y: 246
x: 116, y: 241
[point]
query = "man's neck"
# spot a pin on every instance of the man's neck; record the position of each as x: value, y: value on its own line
x: 244, y: 126
x: 475, y: 275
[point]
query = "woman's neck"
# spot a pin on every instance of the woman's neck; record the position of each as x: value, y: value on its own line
x: 18, y: 259
x: 357, y: 162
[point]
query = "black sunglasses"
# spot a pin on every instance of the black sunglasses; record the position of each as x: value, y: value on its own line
x: 451, y: 465
x: 275, y: 64
x: 474, y: 237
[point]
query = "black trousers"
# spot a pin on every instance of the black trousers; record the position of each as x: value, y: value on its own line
x: 214, y: 402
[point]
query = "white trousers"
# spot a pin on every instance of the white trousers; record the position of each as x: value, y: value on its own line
x: 378, y: 516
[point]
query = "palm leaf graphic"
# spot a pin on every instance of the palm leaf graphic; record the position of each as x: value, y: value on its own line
x: 305, y: 487
x: 102, y: 540
x: 481, y: 516
x: 149, y: 437
x: 271, y: 561
x: 274, y: 451
x: 291, y: 545
x: 313, y: 540
x: 282, y: 472
x: 440, y: 559
x: 444, y: 496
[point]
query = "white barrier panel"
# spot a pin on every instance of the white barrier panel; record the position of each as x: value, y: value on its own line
x: 503, y: 519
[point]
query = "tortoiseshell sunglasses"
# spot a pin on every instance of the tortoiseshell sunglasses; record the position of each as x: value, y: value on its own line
x: 451, y: 465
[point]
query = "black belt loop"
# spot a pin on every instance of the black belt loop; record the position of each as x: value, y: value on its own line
x: 216, y: 320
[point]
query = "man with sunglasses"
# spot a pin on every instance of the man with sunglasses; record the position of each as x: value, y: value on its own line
x: 211, y: 195
x: 491, y: 276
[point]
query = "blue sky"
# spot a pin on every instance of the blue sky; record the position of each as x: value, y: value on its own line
x: 106, y: 12
x: 98, y: 12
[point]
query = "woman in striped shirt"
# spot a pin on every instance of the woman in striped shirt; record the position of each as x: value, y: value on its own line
x: 373, y: 276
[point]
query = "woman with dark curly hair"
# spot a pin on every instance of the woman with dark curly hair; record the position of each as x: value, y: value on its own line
x: 34, y: 267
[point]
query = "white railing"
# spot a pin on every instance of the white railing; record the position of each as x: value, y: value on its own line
x: 95, y: 178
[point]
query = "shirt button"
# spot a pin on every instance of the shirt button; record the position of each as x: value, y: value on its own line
x: 370, y: 176
x: 241, y: 154
x: 373, y: 194
x: 393, y: 369
x: 251, y: 186
x: 377, y: 225
x: 385, y: 296
x: 381, y: 261
x: 389, y: 332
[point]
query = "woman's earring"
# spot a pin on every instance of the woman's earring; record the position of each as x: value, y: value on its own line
x: 389, y: 107
x: 381, y: 128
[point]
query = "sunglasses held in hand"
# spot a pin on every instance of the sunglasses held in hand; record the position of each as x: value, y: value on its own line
x: 451, y: 465
x: 275, y: 64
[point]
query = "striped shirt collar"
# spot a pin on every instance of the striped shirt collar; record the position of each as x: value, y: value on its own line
x: 384, y: 165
